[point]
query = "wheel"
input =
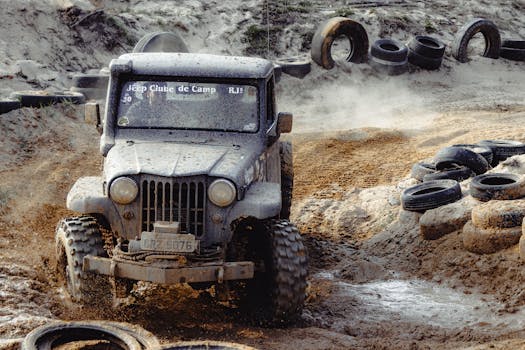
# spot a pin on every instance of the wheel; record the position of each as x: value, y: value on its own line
x: 502, y: 149
x: 276, y: 294
x: 487, y: 241
x: 389, y: 50
x: 52, y: 336
x: 295, y: 66
x: 161, y: 42
x: 458, y: 173
x: 499, y: 214
x: 332, y: 29
x: 427, y: 47
x: 76, y: 238
x: 387, y: 67
x: 90, y: 81
x: 464, y: 35
x: 285, y: 151
x: 430, y: 195
x: 484, y: 151
x: 423, y: 62
x: 497, y: 186
x: 449, y: 156
x: 46, y: 98
x: 513, y: 50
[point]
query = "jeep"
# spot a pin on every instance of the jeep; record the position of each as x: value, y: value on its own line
x: 196, y: 187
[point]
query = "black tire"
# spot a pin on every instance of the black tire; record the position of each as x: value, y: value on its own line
x: 484, y: 151
x: 50, y: 336
x: 423, y: 62
x: 430, y: 195
x: 205, y: 345
x: 387, y: 67
x: 513, y: 50
x: 276, y: 295
x: 389, y: 50
x: 161, y: 42
x: 464, y: 35
x: 90, y: 81
x: 76, y: 238
x: 427, y: 47
x: 446, y: 157
x: 9, y: 105
x: 497, y: 186
x: 502, y: 149
x: 458, y: 173
x: 487, y: 241
x: 420, y: 169
x: 287, y: 176
x: 147, y: 340
x: 332, y: 29
x: 295, y: 66
x: 44, y: 98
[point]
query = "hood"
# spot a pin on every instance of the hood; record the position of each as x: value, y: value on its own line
x: 172, y: 159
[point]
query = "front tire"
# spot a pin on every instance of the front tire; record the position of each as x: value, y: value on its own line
x: 277, y: 293
x: 76, y: 238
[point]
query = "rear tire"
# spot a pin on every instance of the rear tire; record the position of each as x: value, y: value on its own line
x: 285, y: 151
x: 76, y: 238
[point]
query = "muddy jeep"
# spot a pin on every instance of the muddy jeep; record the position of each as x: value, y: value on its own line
x: 196, y: 187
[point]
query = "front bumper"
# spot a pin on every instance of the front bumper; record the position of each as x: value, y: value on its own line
x: 142, y: 271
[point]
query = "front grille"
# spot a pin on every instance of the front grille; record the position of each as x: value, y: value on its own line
x: 174, y: 199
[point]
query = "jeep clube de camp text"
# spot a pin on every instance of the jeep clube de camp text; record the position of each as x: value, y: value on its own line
x: 196, y: 186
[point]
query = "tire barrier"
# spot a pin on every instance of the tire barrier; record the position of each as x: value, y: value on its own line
x: 389, y: 56
x: 430, y: 195
x: 490, y: 240
x: 426, y: 52
x: 497, y: 186
x: 466, y: 33
x: 458, y: 173
x: 421, y: 169
x: 446, y: 158
x: 161, y: 42
x: 484, y: 151
x: 503, y: 149
x: 513, y: 50
x: 46, y: 98
x: 329, y: 31
x: 295, y: 66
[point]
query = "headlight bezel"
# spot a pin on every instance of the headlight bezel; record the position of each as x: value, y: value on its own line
x: 219, y: 199
x: 122, y: 195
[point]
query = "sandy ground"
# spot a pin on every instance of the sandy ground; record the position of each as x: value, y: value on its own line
x: 374, y: 283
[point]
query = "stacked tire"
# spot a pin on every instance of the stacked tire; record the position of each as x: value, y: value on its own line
x: 426, y: 52
x: 92, y: 86
x: 513, y: 50
x: 389, y: 56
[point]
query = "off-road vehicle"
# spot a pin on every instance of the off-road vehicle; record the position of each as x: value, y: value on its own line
x: 196, y: 186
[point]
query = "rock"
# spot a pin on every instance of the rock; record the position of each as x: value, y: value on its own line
x: 84, y: 5
x: 436, y: 223
x: 499, y: 214
x: 489, y: 240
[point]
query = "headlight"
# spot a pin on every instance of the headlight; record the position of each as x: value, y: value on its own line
x: 221, y: 192
x: 123, y: 190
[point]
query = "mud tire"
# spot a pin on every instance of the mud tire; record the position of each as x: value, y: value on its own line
x: 287, y: 176
x: 420, y: 169
x: 499, y: 214
x: 295, y: 66
x: 458, y: 173
x: 330, y: 30
x: 427, y: 47
x: 484, y: 151
x: 497, y: 186
x: 76, y: 238
x: 388, y: 67
x: 513, y: 50
x: 389, y: 50
x: 430, y: 195
x: 487, y: 241
x: 204, y: 344
x: 503, y: 149
x: 49, y: 336
x: 276, y: 295
x: 446, y: 158
x: 466, y: 33
x: 161, y: 42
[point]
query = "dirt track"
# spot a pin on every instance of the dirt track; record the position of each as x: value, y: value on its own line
x: 374, y: 283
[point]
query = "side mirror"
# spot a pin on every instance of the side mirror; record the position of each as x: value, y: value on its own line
x: 284, y: 122
x: 92, y: 115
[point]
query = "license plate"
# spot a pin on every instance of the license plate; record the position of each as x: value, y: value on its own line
x: 168, y: 242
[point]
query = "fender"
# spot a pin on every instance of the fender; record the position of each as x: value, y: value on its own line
x: 87, y: 197
x: 262, y: 201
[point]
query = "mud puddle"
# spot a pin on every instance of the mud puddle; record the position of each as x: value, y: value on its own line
x: 422, y: 302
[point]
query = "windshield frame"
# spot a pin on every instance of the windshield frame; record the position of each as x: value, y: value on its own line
x: 126, y: 78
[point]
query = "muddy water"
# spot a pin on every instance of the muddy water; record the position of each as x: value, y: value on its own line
x: 426, y: 303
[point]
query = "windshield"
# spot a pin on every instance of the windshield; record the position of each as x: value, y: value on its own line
x: 188, y: 105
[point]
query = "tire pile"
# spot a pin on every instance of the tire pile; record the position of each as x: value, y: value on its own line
x: 110, y: 335
x: 496, y: 222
